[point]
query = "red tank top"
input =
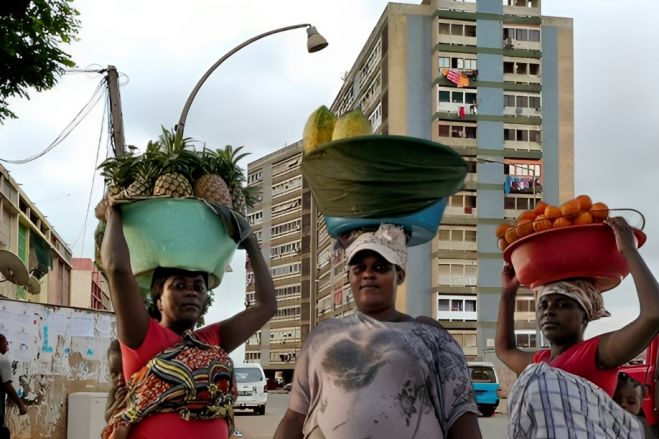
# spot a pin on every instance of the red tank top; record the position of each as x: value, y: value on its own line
x: 581, y: 360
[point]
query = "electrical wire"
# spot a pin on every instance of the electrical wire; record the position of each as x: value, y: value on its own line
x: 83, y: 232
x: 82, y: 114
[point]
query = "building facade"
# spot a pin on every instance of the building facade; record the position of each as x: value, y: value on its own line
x: 494, y: 81
x: 89, y: 289
x: 25, y: 232
x: 282, y: 224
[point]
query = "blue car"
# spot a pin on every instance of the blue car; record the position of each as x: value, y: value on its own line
x: 486, y: 386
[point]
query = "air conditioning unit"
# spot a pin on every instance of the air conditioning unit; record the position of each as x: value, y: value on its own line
x: 86, y: 415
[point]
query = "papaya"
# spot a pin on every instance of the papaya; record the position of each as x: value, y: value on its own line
x: 352, y: 124
x: 318, y: 129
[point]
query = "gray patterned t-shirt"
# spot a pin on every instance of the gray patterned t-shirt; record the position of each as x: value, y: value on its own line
x: 359, y: 378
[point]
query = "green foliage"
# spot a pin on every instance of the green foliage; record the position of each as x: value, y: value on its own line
x: 30, y: 33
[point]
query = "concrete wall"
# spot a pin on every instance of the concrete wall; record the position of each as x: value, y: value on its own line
x: 54, y: 351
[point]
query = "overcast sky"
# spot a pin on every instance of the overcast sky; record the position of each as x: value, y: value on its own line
x: 261, y: 97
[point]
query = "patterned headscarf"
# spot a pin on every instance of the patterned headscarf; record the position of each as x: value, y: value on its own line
x: 583, y: 291
x: 388, y: 241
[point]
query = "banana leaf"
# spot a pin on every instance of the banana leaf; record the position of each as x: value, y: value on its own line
x: 379, y: 176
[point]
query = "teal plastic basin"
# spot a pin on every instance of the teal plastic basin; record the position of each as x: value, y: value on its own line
x: 176, y: 233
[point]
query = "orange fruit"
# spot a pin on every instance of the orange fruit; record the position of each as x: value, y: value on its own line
x: 583, y: 218
x: 527, y: 214
x: 561, y: 222
x: 599, y: 211
x: 540, y: 207
x: 570, y: 209
x: 511, y: 235
x: 524, y: 227
x: 502, y: 243
x: 584, y: 202
x: 552, y: 212
x: 501, y: 229
x: 541, y: 223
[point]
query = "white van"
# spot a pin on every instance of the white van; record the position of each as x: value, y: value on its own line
x: 252, y: 387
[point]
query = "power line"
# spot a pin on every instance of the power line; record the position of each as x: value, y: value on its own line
x: 91, y: 189
x: 82, y: 114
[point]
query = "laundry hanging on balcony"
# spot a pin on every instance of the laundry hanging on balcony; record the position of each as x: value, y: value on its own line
x: 456, y: 77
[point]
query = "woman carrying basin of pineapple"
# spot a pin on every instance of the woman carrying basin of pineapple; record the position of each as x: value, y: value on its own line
x: 178, y: 381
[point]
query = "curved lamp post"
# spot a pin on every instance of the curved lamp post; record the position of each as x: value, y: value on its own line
x: 315, y: 42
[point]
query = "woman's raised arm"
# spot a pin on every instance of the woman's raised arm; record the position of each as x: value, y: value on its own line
x: 131, y: 314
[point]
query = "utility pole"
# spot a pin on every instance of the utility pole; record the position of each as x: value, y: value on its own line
x: 115, y: 112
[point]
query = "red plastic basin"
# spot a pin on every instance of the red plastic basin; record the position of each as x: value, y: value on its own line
x: 584, y: 251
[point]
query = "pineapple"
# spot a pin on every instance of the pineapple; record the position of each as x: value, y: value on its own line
x: 235, y: 178
x: 147, y: 170
x: 211, y: 186
x: 177, y: 162
x: 118, y: 173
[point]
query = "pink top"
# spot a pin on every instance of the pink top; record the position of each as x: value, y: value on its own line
x: 170, y: 425
x: 581, y: 360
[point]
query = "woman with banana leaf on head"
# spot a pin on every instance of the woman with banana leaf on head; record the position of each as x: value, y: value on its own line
x: 178, y: 380
x: 566, y: 390
x: 380, y: 373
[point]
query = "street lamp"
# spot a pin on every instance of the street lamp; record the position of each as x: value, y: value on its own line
x: 315, y: 42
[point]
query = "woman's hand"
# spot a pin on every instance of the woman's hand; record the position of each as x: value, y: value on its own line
x: 625, y: 239
x: 509, y: 281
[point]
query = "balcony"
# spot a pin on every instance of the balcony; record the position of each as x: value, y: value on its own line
x: 464, y: 212
x: 528, y: 8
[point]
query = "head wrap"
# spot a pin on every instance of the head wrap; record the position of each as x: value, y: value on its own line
x: 388, y: 241
x: 582, y: 291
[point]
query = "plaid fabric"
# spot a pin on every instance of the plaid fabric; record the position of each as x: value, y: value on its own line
x: 549, y: 403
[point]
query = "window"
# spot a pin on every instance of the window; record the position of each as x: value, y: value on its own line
x: 457, y: 131
x: 287, y: 313
x: 456, y: 308
x: 285, y: 249
x: 526, y: 338
x: 470, y: 31
x: 255, y: 176
x: 443, y: 130
x: 444, y: 62
x: 470, y: 132
x: 255, y: 218
x: 457, y: 63
x: 444, y: 28
x: 470, y: 98
x: 525, y: 304
x: 444, y: 96
x: 287, y: 186
x: 285, y: 270
x: 522, y: 101
x: 252, y: 357
x: 457, y: 97
x: 288, y: 291
x: 522, y: 135
x: 286, y: 165
x: 470, y: 64
x: 534, y: 102
x: 286, y: 207
x: 467, y: 341
x: 508, y: 100
x: 534, y: 69
x: 508, y: 67
x: 534, y: 35
x: 521, y: 34
x: 521, y: 68
x: 457, y: 29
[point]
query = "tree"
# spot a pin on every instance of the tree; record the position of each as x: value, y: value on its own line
x: 30, y: 33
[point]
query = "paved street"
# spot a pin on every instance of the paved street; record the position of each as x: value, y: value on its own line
x: 263, y: 427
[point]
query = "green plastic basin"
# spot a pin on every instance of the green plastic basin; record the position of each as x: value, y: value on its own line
x: 176, y: 233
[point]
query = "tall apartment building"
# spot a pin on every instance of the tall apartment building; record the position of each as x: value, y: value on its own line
x: 282, y: 224
x: 493, y: 80
x: 25, y: 232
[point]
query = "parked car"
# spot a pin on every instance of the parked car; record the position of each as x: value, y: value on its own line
x: 252, y: 387
x: 485, y: 382
x: 644, y: 369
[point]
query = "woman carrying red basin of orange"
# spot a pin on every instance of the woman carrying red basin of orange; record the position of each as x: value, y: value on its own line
x: 565, y: 391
